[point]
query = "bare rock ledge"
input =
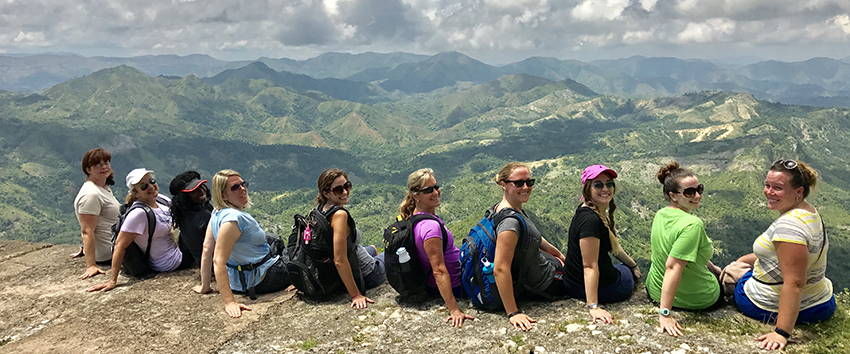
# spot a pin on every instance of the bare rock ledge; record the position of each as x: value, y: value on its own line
x: 44, y: 309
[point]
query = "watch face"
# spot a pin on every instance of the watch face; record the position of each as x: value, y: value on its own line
x: 664, y: 312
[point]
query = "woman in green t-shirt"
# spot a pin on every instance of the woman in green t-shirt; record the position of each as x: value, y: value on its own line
x: 681, y: 275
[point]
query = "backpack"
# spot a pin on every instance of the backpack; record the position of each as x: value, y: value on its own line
x: 479, y: 248
x: 311, y: 254
x: 410, y: 283
x: 137, y: 263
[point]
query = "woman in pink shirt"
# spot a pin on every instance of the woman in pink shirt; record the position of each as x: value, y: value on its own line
x: 423, y: 197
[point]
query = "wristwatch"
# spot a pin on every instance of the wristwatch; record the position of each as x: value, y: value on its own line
x: 592, y: 306
x: 664, y: 312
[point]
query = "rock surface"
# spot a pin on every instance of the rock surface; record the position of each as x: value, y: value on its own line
x: 44, y: 309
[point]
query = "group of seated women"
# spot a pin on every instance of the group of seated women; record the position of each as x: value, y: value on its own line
x: 786, y: 283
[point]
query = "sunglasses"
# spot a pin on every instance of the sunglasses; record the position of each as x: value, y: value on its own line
x: 691, y: 192
x: 339, y: 189
x: 610, y: 184
x: 236, y: 186
x: 429, y: 190
x: 144, y: 186
x: 790, y: 165
x: 521, y: 182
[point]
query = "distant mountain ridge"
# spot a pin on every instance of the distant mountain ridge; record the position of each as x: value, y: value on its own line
x: 282, y: 137
x: 817, y: 81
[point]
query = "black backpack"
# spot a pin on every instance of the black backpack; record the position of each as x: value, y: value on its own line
x: 311, y: 254
x: 410, y: 282
x: 137, y: 263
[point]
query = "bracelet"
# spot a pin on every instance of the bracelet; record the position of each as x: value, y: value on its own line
x: 512, y: 314
x: 782, y: 332
x: 355, y: 295
x: 633, y: 267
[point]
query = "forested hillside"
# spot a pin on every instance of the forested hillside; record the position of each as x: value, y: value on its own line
x: 281, y: 137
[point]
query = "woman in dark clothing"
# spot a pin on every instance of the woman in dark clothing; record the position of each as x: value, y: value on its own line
x: 588, y: 272
x: 191, y: 210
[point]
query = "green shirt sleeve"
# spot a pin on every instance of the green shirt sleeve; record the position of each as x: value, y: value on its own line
x: 686, y: 246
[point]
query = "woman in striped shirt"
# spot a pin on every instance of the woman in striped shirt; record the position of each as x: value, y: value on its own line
x: 788, y: 284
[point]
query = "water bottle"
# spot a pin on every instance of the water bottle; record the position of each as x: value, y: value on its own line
x: 488, y: 272
x: 403, y: 259
x: 308, y: 235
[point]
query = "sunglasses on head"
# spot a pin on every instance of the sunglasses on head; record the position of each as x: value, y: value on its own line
x: 236, y: 186
x: 691, y: 192
x: 429, y: 190
x: 598, y: 185
x: 521, y: 182
x: 144, y: 186
x: 339, y: 189
x: 790, y: 165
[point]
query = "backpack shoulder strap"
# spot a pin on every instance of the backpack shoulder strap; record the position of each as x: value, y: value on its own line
x: 151, y: 223
x: 414, y: 219
x: 505, y: 213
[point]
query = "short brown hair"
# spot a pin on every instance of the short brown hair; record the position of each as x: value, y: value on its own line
x: 94, y: 157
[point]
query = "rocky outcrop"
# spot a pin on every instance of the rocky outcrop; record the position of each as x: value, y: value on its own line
x: 44, y: 309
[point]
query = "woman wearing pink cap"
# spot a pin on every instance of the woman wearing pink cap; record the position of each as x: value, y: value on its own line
x: 588, y: 273
x: 681, y: 275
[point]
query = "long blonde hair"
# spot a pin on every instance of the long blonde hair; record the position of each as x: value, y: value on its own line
x: 607, y: 220
x: 219, y: 188
x: 415, y: 182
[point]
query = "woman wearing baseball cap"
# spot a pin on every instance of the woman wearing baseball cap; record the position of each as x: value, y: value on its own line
x: 165, y: 256
x: 588, y: 272
x: 681, y: 275
x: 191, y: 210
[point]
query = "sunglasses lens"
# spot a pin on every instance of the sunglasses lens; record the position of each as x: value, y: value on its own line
x: 235, y: 187
x: 144, y: 187
x: 690, y: 192
x: 598, y: 185
x: 339, y: 189
x: 430, y: 189
x: 530, y: 182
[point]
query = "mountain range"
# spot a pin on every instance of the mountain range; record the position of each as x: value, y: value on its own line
x: 817, y: 81
x: 282, y: 129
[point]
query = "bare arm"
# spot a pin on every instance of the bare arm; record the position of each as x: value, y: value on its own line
x: 121, y: 243
x: 547, y: 247
x: 88, y: 222
x: 627, y: 260
x: 793, y: 260
x: 434, y: 250
x: 228, y: 233
x: 590, y: 264
x: 206, y: 262
x: 339, y: 223
x: 748, y: 259
x: 503, y: 258
x: 669, y: 287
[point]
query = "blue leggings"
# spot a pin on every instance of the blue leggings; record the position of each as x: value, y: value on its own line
x: 817, y: 313
x: 617, y: 291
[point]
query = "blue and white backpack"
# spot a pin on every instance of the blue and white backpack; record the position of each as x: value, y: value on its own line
x: 476, y: 258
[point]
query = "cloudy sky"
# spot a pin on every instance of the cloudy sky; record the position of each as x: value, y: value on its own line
x: 494, y: 31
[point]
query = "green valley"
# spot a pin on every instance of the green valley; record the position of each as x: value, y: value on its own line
x: 281, y: 136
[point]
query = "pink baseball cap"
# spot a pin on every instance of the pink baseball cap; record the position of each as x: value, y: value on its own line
x: 593, y: 171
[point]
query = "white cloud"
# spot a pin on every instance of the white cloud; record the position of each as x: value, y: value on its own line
x: 590, y: 10
x: 648, y: 5
x: 635, y: 37
x: 296, y: 28
x: 842, y: 22
x: 31, y: 38
x: 713, y: 30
